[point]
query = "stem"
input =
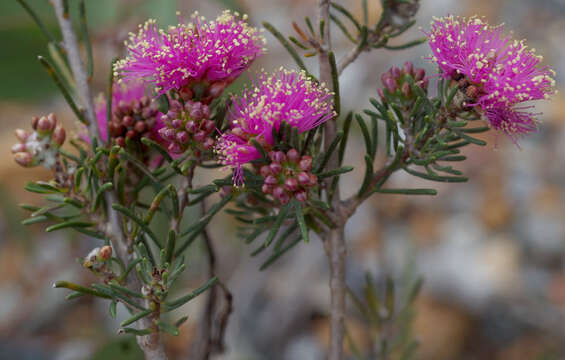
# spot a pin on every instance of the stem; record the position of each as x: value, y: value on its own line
x: 209, y: 339
x: 334, y: 240
x: 150, y: 344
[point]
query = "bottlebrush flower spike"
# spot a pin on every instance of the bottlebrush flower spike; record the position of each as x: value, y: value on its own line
x: 285, y: 96
x: 207, y: 53
x: 500, y: 72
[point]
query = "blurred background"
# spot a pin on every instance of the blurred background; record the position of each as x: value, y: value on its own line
x: 491, y: 252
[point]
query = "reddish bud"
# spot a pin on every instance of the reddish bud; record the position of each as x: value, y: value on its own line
x: 291, y: 184
x: 209, y: 126
x: 305, y: 163
x: 21, y: 135
x: 175, y: 148
x: 420, y: 74
x: 34, y: 121
x: 271, y: 180
x: 293, y: 155
x: 405, y: 89
x: 24, y: 159
x: 301, y: 196
x: 208, y: 143
x: 313, y: 180
x: 408, y: 68
x: 266, y: 189
x: 216, y: 89
x: 140, y: 127
x: 265, y: 171
x: 59, y: 135
x: 128, y: 121
x: 182, y: 137
x: 278, y: 156
x: 120, y: 141
x: 278, y: 192
x: 191, y: 126
x: 472, y: 91
x: 275, y: 168
x: 131, y: 134
x: 200, y: 136
x: 105, y: 253
x: 303, y: 178
x: 19, y: 147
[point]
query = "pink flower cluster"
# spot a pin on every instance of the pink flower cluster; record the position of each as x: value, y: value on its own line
x: 502, y: 71
x: 285, y: 96
x: 197, y: 52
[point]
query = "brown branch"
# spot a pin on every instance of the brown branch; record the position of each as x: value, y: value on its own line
x: 210, y: 340
x: 150, y: 344
x: 334, y: 240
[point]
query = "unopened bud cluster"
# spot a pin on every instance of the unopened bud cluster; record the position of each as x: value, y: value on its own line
x: 188, y: 126
x: 203, y: 92
x: 97, y: 258
x: 39, y: 147
x: 396, y: 81
x: 288, y: 176
x: 133, y: 120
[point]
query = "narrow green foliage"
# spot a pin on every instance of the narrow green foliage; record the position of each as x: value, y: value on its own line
x: 300, y: 220
x: 136, y: 317
x: 81, y: 289
x: 297, y: 59
x: 171, y: 305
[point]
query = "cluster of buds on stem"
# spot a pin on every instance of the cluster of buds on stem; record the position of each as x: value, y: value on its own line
x: 396, y: 81
x: 288, y: 175
x: 156, y: 287
x: 97, y: 259
x: 40, y: 146
x: 188, y: 126
x: 133, y: 120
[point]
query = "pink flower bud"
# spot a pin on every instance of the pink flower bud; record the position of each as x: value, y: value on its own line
x: 313, y: 180
x: 395, y: 72
x: 167, y: 134
x: 140, y: 126
x: 278, y: 156
x: 59, y: 135
x: 128, y: 121
x: 176, y: 124
x: 408, y: 68
x: 34, y: 121
x: 265, y: 171
x: 301, y: 196
x: 120, y: 141
x: 191, y: 126
x: 186, y: 93
x: 209, y: 126
x: 175, y: 148
x: 390, y: 84
x: 267, y: 189
x: 420, y: 74
x: 19, y: 147
x: 21, y: 135
x: 45, y: 125
x: 196, y: 111
x: 405, y: 89
x: 293, y: 155
x: 200, y: 136
x: 271, y: 180
x: 278, y: 192
x: 275, y: 168
x: 303, y: 178
x: 182, y: 137
x: 291, y: 184
x: 24, y: 159
x: 305, y: 163
x: 208, y: 143
x: 381, y: 93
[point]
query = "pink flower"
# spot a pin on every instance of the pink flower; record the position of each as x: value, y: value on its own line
x: 504, y: 71
x: 201, y: 52
x: 285, y: 96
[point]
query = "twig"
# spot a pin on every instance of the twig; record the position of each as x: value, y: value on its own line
x: 334, y: 240
x: 211, y: 340
x: 150, y: 344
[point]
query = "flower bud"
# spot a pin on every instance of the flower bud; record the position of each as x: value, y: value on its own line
x: 390, y: 84
x: 191, y: 126
x: 105, y: 253
x: 24, y: 159
x: 182, y: 137
x: 303, y: 178
x: 267, y: 189
x: 293, y: 155
x: 128, y: 121
x: 45, y: 125
x: 301, y: 196
x: 19, y: 147
x: 305, y: 163
x: 395, y: 72
x: 200, y: 136
x: 313, y: 180
x: 131, y: 134
x: 420, y: 74
x: 265, y: 171
x: 59, y: 135
x: 278, y: 156
x: 34, y: 121
x: 472, y: 91
x: 275, y: 168
x: 22, y: 135
x: 291, y: 184
x: 175, y: 148
x: 140, y: 127
x: 216, y: 89
x: 278, y: 192
x: 405, y: 89
x: 209, y: 126
x: 208, y: 143
x: 408, y: 68
x: 271, y: 180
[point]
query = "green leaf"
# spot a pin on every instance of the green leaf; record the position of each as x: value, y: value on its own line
x: 136, y: 317
x: 407, y: 191
x: 70, y: 224
x: 277, y: 224
x: 365, y: 132
x: 367, y: 179
x: 300, y: 220
x: 153, y: 145
x: 163, y: 103
x: 169, y: 306
x: 130, y: 214
x: 81, y: 289
x: 335, y: 82
x: 171, y: 329
x: 447, y: 179
x: 325, y: 156
x: 336, y: 172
